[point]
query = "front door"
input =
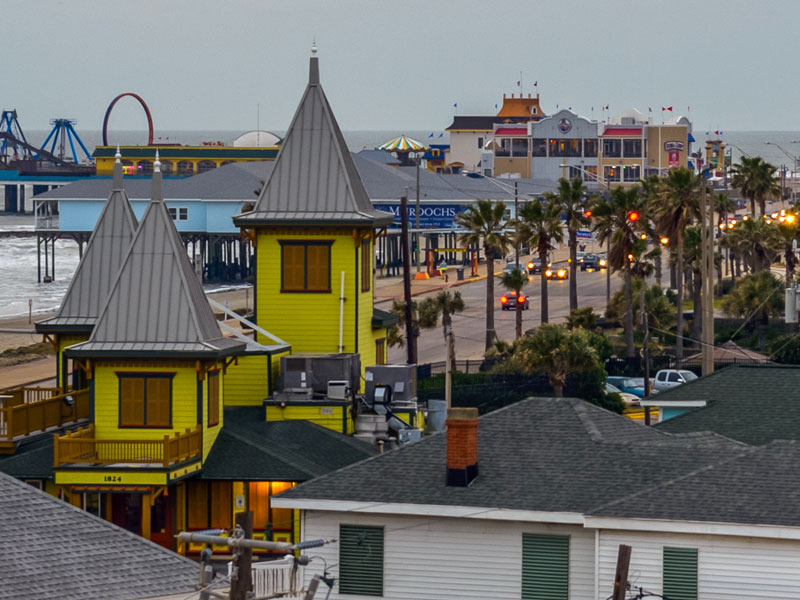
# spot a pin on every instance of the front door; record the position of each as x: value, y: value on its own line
x: 126, y: 512
x: 161, y: 521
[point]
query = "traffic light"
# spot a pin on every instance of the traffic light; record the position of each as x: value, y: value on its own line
x: 587, y: 214
x: 633, y: 216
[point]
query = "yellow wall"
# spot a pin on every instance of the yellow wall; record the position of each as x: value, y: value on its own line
x: 329, y: 416
x: 184, y: 401
x: 310, y: 321
x: 246, y: 383
x: 655, y: 144
x: 64, y: 341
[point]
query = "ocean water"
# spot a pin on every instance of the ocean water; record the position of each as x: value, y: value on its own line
x: 18, y: 285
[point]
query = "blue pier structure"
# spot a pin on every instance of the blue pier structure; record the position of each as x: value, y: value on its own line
x: 63, y: 131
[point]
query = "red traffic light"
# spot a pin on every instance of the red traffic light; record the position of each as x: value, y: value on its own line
x: 587, y: 213
x: 633, y: 216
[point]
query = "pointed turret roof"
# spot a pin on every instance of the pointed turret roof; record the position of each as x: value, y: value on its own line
x: 157, y: 305
x: 100, y: 264
x: 314, y: 180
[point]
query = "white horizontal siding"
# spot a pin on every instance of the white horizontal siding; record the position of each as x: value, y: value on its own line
x: 445, y: 558
x: 729, y: 567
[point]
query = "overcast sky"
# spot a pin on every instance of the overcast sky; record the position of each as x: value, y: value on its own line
x: 207, y: 65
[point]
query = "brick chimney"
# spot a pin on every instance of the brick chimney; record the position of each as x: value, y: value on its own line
x: 462, y: 446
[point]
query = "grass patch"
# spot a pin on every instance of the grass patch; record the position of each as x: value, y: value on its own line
x: 37, y: 349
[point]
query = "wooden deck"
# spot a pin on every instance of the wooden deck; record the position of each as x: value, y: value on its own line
x: 34, y: 410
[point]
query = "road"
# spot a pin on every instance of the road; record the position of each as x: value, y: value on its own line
x: 470, y: 326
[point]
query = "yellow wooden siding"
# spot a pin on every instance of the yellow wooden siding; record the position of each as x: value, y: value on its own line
x: 106, y: 400
x: 64, y: 341
x: 310, y: 321
x: 322, y: 414
x: 210, y: 433
x: 246, y: 383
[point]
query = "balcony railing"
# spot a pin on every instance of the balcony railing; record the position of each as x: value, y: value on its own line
x: 83, y: 448
x: 29, y: 410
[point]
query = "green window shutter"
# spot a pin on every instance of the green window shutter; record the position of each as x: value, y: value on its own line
x: 680, y: 573
x: 361, y: 560
x: 545, y: 567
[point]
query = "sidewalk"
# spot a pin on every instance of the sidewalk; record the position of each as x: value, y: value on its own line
x: 388, y: 289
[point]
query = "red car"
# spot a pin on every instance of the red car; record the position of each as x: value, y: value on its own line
x: 509, y: 301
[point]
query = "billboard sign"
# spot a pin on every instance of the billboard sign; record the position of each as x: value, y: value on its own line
x: 431, y: 216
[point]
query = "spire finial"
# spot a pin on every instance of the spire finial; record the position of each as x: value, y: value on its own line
x: 313, y: 46
x: 117, y: 184
x: 157, y: 164
x: 118, y: 155
x: 313, y: 67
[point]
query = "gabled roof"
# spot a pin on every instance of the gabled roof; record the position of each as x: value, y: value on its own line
x: 248, y: 448
x: 55, y: 551
x: 157, y: 305
x: 314, y: 180
x: 754, y: 404
x: 540, y: 454
x: 100, y: 264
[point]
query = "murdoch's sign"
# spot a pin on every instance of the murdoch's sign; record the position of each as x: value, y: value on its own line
x: 673, y: 146
x: 431, y: 216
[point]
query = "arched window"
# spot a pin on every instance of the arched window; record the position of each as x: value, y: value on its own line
x: 185, y: 167
x: 206, y: 165
x: 145, y: 167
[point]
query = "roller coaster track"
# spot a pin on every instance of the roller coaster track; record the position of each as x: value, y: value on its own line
x: 42, y: 153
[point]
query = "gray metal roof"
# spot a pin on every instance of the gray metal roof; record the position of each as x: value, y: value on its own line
x: 314, y: 172
x: 54, y: 551
x: 157, y: 303
x: 100, y: 264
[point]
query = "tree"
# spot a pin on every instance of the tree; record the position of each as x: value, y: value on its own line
x: 539, y: 225
x: 483, y: 222
x: 514, y: 282
x: 559, y: 352
x: 582, y: 317
x: 680, y: 205
x: 756, y: 180
x: 652, y: 191
x: 571, y: 197
x: 756, y: 296
x: 660, y: 311
x: 789, y: 235
x: 445, y: 304
x: 757, y: 242
x: 618, y: 222
x: 395, y: 337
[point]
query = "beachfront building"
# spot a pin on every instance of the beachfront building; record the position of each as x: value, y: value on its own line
x: 91, y: 283
x: 632, y: 148
x: 314, y: 230
x: 470, y: 134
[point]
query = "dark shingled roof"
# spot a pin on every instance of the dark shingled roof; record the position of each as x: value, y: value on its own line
x: 314, y: 179
x: 249, y: 448
x: 30, y: 461
x: 99, y: 266
x: 157, y: 305
x: 54, y: 551
x: 754, y: 404
x: 757, y: 487
x: 548, y: 454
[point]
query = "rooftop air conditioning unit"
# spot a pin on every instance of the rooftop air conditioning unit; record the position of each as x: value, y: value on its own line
x: 401, y: 378
x: 336, y: 367
x: 337, y: 390
x: 296, y: 371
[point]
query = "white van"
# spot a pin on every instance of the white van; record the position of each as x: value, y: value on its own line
x: 667, y: 379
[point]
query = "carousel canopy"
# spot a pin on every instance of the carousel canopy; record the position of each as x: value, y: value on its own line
x: 403, y: 144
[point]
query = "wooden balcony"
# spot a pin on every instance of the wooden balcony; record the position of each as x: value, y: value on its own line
x: 81, y: 447
x: 25, y: 411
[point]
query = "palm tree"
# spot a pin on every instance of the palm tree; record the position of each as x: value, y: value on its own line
x: 758, y: 295
x: 570, y: 196
x: 757, y: 242
x: 652, y: 190
x: 395, y: 337
x: 616, y: 226
x: 484, y: 222
x: 756, y: 180
x: 558, y: 351
x: 680, y: 205
x: 789, y: 236
x: 446, y: 305
x: 539, y: 225
x: 660, y: 311
x: 693, y: 258
x: 514, y: 282
x: 723, y: 204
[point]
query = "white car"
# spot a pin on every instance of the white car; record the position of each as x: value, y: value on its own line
x: 627, y: 398
x: 666, y: 379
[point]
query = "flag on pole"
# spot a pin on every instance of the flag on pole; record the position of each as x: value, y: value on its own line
x: 495, y: 106
x: 430, y: 134
x: 518, y: 83
x: 455, y: 105
x: 663, y: 108
x: 535, y: 83
x: 441, y: 134
x: 606, y: 106
x: 650, y: 109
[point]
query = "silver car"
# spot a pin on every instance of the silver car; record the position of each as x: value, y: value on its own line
x: 666, y: 379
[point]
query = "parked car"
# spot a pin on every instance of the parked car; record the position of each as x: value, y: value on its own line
x: 512, y: 266
x: 627, y: 384
x: 509, y: 301
x: 627, y: 398
x: 560, y: 273
x: 667, y: 379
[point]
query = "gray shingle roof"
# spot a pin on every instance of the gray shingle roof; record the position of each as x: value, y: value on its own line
x: 755, y: 487
x: 754, y: 404
x: 52, y: 550
x: 314, y: 177
x: 249, y: 448
x: 539, y: 454
x: 157, y: 304
x: 100, y: 264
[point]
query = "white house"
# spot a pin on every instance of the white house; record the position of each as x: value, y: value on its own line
x: 535, y: 501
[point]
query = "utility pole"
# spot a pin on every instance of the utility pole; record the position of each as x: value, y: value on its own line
x: 516, y: 219
x: 707, y: 277
x: 411, y: 338
x: 645, y: 353
x: 621, y: 575
x: 416, y: 220
x: 241, y: 577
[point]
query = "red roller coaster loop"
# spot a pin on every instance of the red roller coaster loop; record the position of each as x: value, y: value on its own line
x: 146, y: 111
